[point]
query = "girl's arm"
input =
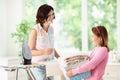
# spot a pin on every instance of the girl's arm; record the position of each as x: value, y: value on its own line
x: 100, y: 54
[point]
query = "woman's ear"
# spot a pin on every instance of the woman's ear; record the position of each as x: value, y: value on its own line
x: 44, y: 21
x: 48, y: 19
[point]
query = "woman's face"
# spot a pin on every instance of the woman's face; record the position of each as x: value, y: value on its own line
x: 95, y: 40
x: 50, y: 16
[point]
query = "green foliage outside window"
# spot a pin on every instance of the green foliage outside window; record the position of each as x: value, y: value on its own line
x: 21, y: 33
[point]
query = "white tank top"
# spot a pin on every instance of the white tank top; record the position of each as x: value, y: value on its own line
x: 44, y: 40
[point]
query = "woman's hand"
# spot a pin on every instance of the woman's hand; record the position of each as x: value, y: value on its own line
x: 69, y: 73
x: 48, y: 51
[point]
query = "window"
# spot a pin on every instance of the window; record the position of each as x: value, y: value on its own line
x: 68, y: 22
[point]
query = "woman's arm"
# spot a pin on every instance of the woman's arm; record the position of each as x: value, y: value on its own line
x: 32, y: 44
x: 56, y: 54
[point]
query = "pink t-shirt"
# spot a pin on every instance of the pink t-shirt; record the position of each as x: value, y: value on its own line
x: 44, y: 40
x: 97, y: 64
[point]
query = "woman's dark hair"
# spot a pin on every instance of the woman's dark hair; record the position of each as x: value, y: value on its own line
x: 100, y: 31
x: 42, y: 13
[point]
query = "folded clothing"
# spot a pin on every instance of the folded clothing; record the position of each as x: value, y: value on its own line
x: 72, y: 62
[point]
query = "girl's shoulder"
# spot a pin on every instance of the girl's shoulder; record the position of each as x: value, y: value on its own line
x: 103, y: 49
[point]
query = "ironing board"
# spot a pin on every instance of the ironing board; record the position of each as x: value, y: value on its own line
x: 33, y: 76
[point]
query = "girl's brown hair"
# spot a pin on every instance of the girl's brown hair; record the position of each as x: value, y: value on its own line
x: 100, y: 31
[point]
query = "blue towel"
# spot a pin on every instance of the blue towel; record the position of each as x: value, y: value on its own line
x: 80, y: 76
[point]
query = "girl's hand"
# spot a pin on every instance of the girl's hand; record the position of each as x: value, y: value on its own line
x: 69, y: 73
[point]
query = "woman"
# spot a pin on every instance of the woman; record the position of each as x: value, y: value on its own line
x: 41, y: 40
x: 98, y: 57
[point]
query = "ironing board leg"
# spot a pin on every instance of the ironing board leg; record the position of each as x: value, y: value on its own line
x: 17, y: 74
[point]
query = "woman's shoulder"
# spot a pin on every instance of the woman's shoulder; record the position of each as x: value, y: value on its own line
x: 34, y: 27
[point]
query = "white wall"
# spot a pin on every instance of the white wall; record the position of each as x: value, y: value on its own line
x: 11, y: 13
x: 118, y: 24
x: 3, y: 30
